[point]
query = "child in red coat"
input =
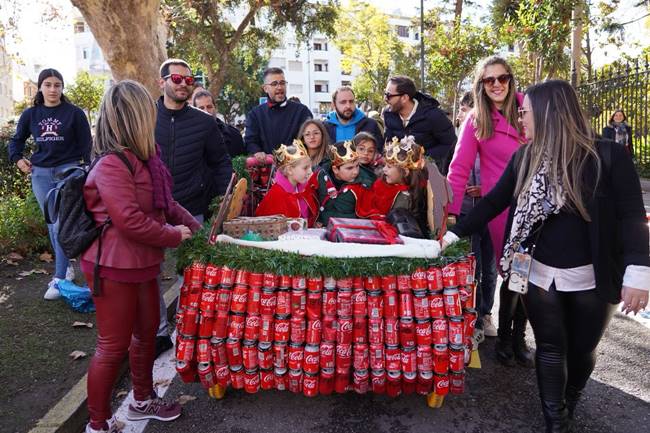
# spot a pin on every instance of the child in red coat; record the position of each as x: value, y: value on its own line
x: 290, y: 195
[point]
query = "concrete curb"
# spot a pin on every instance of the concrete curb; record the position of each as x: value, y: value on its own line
x: 70, y: 414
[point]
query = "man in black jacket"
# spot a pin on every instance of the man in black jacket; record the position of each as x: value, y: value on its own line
x: 203, y: 100
x: 347, y: 120
x: 410, y: 112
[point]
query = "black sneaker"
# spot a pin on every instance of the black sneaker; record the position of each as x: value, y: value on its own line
x: 163, y: 344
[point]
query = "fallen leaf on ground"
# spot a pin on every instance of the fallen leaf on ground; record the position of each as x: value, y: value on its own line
x: 32, y: 271
x: 121, y: 394
x: 185, y: 398
x: 45, y: 257
x: 14, y: 256
x: 19, y: 278
x: 77, y: 354
x: 11, y: 262
x: 162, y: 382
x: 82, y: 325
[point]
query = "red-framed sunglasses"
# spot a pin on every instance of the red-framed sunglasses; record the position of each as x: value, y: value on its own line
x: 178, y: 79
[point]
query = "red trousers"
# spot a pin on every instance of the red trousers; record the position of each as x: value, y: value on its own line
x: 127, y: 320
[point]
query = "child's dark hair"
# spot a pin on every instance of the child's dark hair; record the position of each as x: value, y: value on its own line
x: 45, y: 74
x: 364, y: 136
x: 417, y: 181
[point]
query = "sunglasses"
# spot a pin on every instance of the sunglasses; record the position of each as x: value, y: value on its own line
x: 503, y: 79
x: 521, y: 111
x: 178, y: 79
x: 389, y: 95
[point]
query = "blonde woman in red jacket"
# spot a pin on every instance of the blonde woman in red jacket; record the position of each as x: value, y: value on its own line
x: 145, y: 220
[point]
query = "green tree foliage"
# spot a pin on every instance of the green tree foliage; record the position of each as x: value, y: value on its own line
x: 86, y: 93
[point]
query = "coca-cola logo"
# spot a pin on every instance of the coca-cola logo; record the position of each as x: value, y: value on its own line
x: 326, y: 350
x: 211, y: 271
x: 267, y: 378
x: 419, y: 275
x: 208, y: 296
x: 315, y: 325
x: 268, y: 301
x: 239, y: 298
x: 295, y: 355
x: 378, y: 380
x: 222, y: 372
x: 393, y: 356
x: 423, y: 331
x: 437, y: 302
x: 311, y: 359
x: 253, y: 321
x: 281, y: 327
x: 439, y: 325
x: 309, y: 383
x: 442, y: 383
x: 344, y: 351
x: 448, y: 271
x: 345, y: 325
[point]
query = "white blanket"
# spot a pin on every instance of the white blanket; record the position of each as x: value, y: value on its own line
x: 412, y: 248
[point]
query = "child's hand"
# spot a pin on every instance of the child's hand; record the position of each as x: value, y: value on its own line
x: 473, y: 191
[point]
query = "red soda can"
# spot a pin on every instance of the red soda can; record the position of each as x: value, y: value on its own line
x: 360, y: 380
x: 456, y: 358
x: 329, y: 283
x: 357, y: 283
x: 207, y: 305
x: 265, y: 356
x: 424, y: 382
x: 375, y: 331
x: 218, y: 352
x: 463, y: 274
x: 190, y: 322
x: 223, y: 299
x: 359, y: 303
x: 269, y: 280
x: 313, y: 332
x: 203, y: 351
x: 179, y: 318
x: 406, y: 332
x: 311, y: 362
x: 236, y: 325
x: 253, y: 304
x: 419, y: 279
x: 255, y: 279
x: 197, y: 274
x: 310, y: 384
x: 469, y: 319
x: 456, y: 382
x: 185, y: 349
x: 409, y: 381
x: 249, y: 355
x: 267, y: 379
x: 298, y: 327
x: 342, y: 380
x: 361, y: 357
x: 187, y: 275
x: 233, y: 352
x: 440, y: 359
x: 344, y: 283
x: 452, y: 302
x: 423, y: 335
x: 298, y: 302
x: 375, y: 305
x: 372, y: 283
x: 283, y: 302
x: 393, y: 383
x: 314, y: 304
x: 344, y: 330
x: 329, y: 302
x: 391, y: 331
x: 376, y: 355
x: 393, y: 358
x: 449, y: 277
x: 424, y: 358
x: 436, y: 304
x: 434, y: 279
x: 206, y: 323
x: 267, y: 328
x: 326, y: 381
x: 280, y: 355
x: 329, y: 326
x: 456, y: 330
x: 343, y: 356
x: 222, y: 374
x: 403, y: 283
x: 409, y: 360
x: 206, y: 375
x: 421, y: 305
x: 389, y: 283
x: 327, y: 355
x: 251, y: 381
x: 441, y: 383
x: 194, y: 299
x: 241, y: 277
x: 268, y: 300
x: 294, y: 381
x: 298, y: 282
x: 186, y: 371
x: 252, y: 328
x: 280, y: 379
x: 281, y: 330
x: 314, y: 284
x: 220, y: 327
x: 439, y: 331
x: 285, y: 281
x: 406, y: 305
x: 226, y: 276
x: 359, y: 329
x: 295, y: 356
x: 378, y: 381
x: 344, y: 303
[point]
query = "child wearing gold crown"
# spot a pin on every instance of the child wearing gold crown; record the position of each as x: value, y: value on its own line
x: 342, y: 189
x: 290, y: 194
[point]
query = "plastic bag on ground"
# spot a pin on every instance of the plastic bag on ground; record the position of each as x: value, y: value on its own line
x: 77, y: 297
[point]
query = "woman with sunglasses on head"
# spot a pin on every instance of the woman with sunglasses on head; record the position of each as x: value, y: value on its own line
x: 577, y: 218
x: 62, y: 135
x: 316, y: 140
x: 491, y: 131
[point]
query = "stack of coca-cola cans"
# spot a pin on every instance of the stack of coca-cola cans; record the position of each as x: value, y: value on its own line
x: 318, y: 335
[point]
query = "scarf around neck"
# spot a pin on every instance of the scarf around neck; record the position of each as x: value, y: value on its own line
x: 161, y: 180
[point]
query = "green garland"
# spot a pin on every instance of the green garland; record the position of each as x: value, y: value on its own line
x: 282, y: 263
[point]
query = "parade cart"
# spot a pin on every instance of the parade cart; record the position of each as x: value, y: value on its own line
x: 310, y: 316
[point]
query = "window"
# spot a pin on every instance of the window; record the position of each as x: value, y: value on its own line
x: 321, y: 87
x: 295, y: 89
x: 84, y: 53
x: 277, y: 62
x: 320, y: 46
x: 79, y: 27
x: 402, y: 31
x: 346, y: 83
x: 320, y: 66
x: 295, y: 65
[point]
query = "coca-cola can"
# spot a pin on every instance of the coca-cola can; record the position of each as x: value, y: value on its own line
x: 434, y: 279
x: 268, y: 300
x: 249, y: 355
x: 310, y: 384
x: 439, y: 331
x: 186, y: 371
x: 403, y: 283
x: 424, y: 358
x: 311, y: 362
x: 190, y: 322
x: 222, y: 374
x: 452, y: 302
x: 372, y: 283
x: 463, y: 272
x: 298, y: 326
x: 343, y: 356
x: 469, y: 320
x: 409, y: 360
x: 203, y: 351
x: 344, y: 303
x: 226, y: 276
x: 456, y: 382
x: 421, y: 305
x: 255, y: 279
x: 180, y: 311
x: 267, y: 328
x: 423, y: 335
x: 344, y: 283
x: 223, y: 299
x: 441, y: 383
x: 449, y: 276
x: 440, y: 359
x: 406, y: 305
x: 294, y: 381
x: 436, y: 304
x: 389, y: 283
x: 313, y: 332
x: 206, y: 375
x: 326, y: 381
x: 456, y: 358
x: 269, y: 280
x: 295, y: 356
x: 359, y: 303
x: 267, y: 381
x: 206, y: 323
x: 424, y: 382
x: 357, y: 283
x: 253, y: 304
x: 280, y: 355
x: 252, y: 328
x: 314, y: 305
x: 344, y: 330
x: 359, y: 329
x: 280, y: 378
x: 419, y: 279
x: 360, y: 379
x: 220, y: 327
x: 361, y: 357
x: 393, y: 383
x: 233, y: 352
x: 281, y: 330
x: 378, y: 381
x: 197, y: 274
x: 283, y: 302
x: 342, y: 380
x: 284, y: 281
x: 251, y: 381
x: 376, y: 331
x: 329, y: 326
x: 391, y: 331
x: 218, y: 352
x: 212, y: 276
x: 264, y: 356
x: 208, y: 305
x: 298, y: 302
x: 327, y: 355
x: 194, y: 298
x: 299, y: 282
x: 185, y: 349
x: 456, y: 330
x: 329, y: 302
x: 406, y: 332
x: 409, y: 381
x: 236, y: 325
x: 314, y: 284
x: 393, y: 356
x: 376, y: 355
x: 241, y: 277
x: 375, y: 302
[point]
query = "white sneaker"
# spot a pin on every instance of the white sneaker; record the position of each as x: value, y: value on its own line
x: 69, y: 273
x: 52, y: 292
x: 114, y: 426
x: 488, y: 328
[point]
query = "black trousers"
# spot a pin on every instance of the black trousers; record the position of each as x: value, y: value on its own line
x: 512, y: 316
x: 568, y: 327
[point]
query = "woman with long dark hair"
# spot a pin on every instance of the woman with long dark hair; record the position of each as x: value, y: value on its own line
x: 577, y: 240
x: 316, y: 139
x: 62, y: 135
x: 619, y: 131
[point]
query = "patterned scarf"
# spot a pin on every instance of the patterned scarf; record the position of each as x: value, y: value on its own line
x: 534, y: 205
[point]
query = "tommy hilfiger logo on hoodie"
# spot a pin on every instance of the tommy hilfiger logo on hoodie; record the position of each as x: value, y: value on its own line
x: 49, y: 130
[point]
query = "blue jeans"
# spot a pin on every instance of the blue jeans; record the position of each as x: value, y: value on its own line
x: 43, y: 180
x: 486, y: 273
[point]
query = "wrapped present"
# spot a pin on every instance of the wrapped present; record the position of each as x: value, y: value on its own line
x: 362, y: 231
x: 309, y: 234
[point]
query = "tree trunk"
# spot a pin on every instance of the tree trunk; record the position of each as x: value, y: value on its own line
x: 458, y: 12
x: 132, y: 36
x: 576, y: 43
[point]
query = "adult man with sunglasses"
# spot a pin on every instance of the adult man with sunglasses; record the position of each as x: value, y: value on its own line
x: 193, y: 149
x: 275, y: 122
x: 409, y: 112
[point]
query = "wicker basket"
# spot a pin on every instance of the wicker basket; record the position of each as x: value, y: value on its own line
x: 268, y: 227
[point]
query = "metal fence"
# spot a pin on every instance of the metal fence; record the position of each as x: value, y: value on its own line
x: 625, y: 87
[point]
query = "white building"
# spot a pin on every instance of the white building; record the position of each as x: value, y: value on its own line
x: 6, y: 84
x: 88, y: 54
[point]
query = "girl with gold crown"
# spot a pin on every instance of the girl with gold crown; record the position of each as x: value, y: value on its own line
x: 290, y: 194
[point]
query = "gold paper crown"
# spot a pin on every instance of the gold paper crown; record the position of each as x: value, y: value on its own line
x: 339, y: 159
x: 285, y: 155
x: 405, y: 153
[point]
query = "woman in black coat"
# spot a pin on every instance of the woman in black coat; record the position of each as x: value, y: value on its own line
x: 577, y: 244
x: 619, y: 131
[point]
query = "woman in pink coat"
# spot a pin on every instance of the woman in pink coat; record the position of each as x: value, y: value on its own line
x: 492, y: 131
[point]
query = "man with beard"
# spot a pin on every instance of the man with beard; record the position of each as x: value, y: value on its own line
x: 192, y: 147
x: 275, y: 122
x: 347, y: 120
x: 410, y: 112
x: 203, y: 100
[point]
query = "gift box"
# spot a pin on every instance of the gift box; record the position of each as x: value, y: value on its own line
x: 306, y: 234
x: 362, y: 231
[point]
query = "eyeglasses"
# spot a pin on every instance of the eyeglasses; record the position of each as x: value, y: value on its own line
x: 388, y: 95
x: 503, y: 79
x: 178, y: 79
x: 521, y: 111
x: 282, y: 83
